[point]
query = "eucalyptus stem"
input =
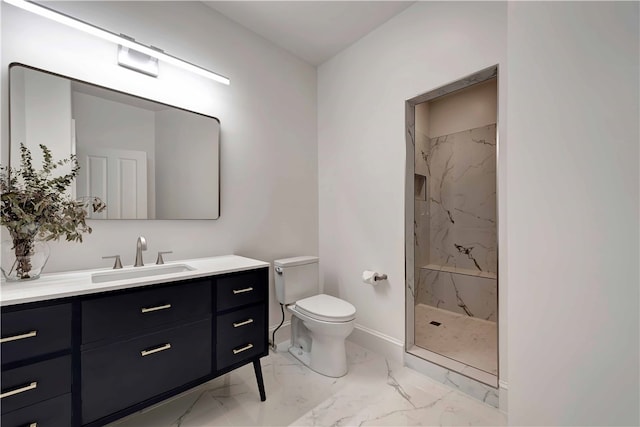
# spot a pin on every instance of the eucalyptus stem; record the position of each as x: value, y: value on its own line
x: 23, y: 247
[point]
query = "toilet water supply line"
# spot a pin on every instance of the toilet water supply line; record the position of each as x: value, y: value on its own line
x: 273, y: 335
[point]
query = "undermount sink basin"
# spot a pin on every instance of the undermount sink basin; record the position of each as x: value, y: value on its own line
x: 137, y: 272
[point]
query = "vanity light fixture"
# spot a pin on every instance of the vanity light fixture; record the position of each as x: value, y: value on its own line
x: 118, y: 39
x: 137, y: 61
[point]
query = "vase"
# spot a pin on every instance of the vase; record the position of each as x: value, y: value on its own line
x: 23, y: 259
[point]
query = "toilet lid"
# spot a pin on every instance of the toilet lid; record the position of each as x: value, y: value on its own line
x: 327, y: 308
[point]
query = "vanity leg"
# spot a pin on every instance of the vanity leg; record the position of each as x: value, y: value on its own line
x: 258, y: 369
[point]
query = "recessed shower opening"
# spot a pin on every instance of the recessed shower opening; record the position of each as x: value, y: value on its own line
x: 452, y: 226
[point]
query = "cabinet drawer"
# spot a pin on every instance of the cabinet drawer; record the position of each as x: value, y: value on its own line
x: 35, y: 331
x: 122, y: 374
x: 34, y: 383
x: 112, y: 316
x: 54, y: 412
x: 241, y: 335
x: 239, y: 290
x: 239, y: 326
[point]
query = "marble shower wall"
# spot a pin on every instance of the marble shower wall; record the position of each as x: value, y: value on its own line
x: 421, y: 205
x: 462, y: 186
x: 474, y: 296
x: 456, y: 241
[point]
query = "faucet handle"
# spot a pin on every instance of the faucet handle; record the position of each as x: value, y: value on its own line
x: 159, y: 260
x: 117, y: 263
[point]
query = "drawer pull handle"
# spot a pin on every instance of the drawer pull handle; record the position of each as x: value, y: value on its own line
x: 241, y: 291
x: 19, y: 390
x: 163, y: 347
x: 240, y: 350
x: 150, y: 309
x: 19, y: 337
x: 246, y: 322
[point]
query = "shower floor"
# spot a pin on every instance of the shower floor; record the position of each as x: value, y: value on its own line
x: 469, y: 340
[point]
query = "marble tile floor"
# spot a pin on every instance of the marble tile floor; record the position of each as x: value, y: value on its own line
x: 469, y: 340
x: 375, y: 392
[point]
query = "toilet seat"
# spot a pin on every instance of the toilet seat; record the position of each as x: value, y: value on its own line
x: 326, y: 308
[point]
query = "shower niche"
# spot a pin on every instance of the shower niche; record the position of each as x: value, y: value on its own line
x: 452, y: 244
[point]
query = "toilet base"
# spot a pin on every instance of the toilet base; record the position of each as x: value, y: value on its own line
x: 320, y: 345
x: 305, y: 358
x: 301, y: 355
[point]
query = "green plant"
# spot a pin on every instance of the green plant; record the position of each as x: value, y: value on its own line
x: 35, y: 204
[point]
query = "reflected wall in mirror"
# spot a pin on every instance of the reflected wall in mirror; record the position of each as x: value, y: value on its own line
x: 145, y: 159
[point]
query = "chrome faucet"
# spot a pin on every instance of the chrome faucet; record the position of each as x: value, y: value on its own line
x: 141, y: 245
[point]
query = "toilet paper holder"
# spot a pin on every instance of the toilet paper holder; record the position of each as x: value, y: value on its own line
x: 372, y: 277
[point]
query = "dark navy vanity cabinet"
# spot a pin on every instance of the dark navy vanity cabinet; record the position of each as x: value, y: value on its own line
x: 88, y: 360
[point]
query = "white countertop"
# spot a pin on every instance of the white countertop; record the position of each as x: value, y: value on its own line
x: 73, y: 283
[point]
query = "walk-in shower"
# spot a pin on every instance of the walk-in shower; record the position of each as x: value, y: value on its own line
x: 451, y: 230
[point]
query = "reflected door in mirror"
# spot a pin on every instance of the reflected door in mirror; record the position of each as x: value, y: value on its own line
x: 119, y: 177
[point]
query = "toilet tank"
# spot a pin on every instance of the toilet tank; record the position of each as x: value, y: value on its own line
x: 296, y: 278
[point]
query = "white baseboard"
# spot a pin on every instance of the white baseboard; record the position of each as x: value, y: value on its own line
x: 380, y: 343
x: 504, y: 396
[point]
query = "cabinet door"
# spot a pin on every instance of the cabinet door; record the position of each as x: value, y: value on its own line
x: 123, y: 374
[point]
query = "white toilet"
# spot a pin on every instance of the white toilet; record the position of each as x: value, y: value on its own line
x: 319, y: 323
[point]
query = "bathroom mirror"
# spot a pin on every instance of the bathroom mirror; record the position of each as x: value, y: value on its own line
x: 145, y: 159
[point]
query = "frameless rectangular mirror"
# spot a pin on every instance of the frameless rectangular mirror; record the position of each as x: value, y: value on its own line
x: 145, y: 159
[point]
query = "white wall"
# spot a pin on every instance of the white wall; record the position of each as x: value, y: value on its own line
x: 361, y: 144
x: 573, y: 213
x: 568, y: 180
x: 269, y: 204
